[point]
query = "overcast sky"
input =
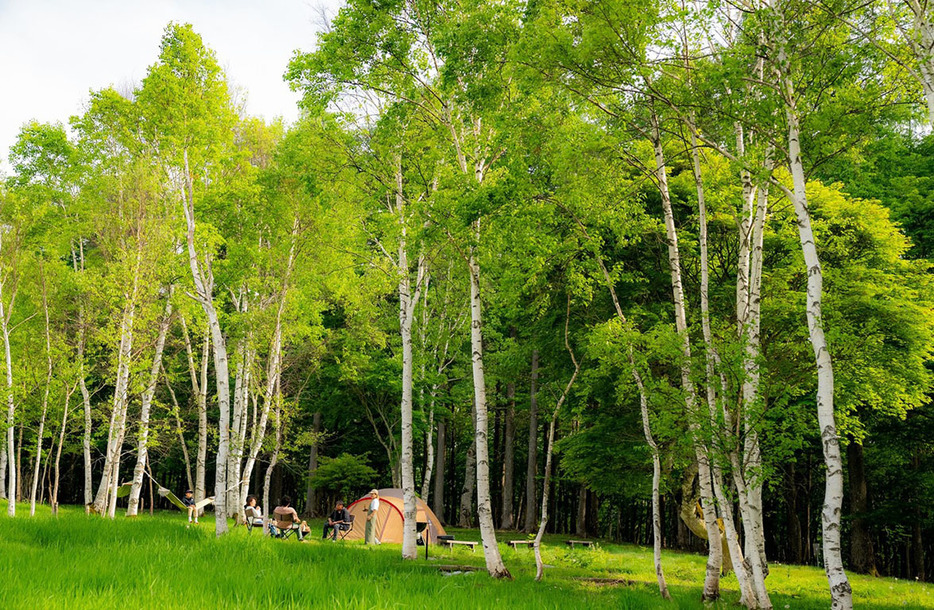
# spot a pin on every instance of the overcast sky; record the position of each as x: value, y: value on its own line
x: 53, y: 52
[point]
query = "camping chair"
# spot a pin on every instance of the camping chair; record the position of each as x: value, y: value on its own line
x: 285, y: 525
x: 253, y: 518
x: 345, y: 528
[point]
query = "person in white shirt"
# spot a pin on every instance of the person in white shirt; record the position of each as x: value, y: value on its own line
x: 372, y: 522
x: 253, y: 513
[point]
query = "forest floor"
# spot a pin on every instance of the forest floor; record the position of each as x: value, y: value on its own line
x: 75, y: 561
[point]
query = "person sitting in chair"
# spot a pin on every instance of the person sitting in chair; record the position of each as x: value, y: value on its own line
x: 253, y: 513
x: 284, y: 513
x: 338, y: 520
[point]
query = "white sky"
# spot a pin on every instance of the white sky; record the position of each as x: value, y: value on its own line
x: 53, y: 52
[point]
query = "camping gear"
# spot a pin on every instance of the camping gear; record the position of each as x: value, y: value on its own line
x: 346, y: 528
x: 390, y: 517
x: 286, y: 525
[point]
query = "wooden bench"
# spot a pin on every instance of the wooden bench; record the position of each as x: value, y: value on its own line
x: 515, y: 543
x: 571, y: 543
x: 450, y: 543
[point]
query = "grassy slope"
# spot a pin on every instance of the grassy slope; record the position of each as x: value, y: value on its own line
x: 80, y: 562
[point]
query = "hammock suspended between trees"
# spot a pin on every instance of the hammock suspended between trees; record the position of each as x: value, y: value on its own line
x: 124, y: 490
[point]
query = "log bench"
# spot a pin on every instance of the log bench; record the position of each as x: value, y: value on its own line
x: 515, y: 543
x: 571, y: 543
x: 450, y: 543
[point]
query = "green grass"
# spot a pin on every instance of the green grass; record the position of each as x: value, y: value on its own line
x: 75, y: 561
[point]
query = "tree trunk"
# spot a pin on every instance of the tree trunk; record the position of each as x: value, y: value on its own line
x: 715, y: 556
x: 437, y: 497
x: 238, y: 423
x: 273, y: 377
x: 921, y: 41
x: 791, y: 507
x: 465, y: 515
x: 45, y: 397
x: 408, y: 300
x: 5, y: 313
x: 539, y: 565
x: 311, y: 498
x: 429, y: 444
x: 753, y: 403
x: 862, y: 556
x: 105, y: 501
x: 840, y: 590
x: 204, y: 287
x: 273, y: 374
x: 86, y: 402
x: 494, y: 562
x: 509, y: 458
x: 749, y: 592
x: 53, y: 497
x: 650, y: 440
x: 142, y: 449
x: 176, y: 413
x: 274, y: 458
x: 530, y: 504
x: 199, y: 389
x: 580, y: 523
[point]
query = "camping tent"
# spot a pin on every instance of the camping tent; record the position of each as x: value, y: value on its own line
x: 389, y: 517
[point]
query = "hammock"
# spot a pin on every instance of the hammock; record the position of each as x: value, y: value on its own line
x: 173, y: 499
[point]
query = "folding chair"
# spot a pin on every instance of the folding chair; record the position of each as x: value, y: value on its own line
x: 345, y: 528
x: 253, y: 519
x: 285, y: 525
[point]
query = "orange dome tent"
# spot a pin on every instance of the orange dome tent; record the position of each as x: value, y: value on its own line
x: 389, y: 517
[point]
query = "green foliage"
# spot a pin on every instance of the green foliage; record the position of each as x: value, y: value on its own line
x: 346, y: 475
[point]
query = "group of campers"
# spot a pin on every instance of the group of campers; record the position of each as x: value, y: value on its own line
x: 286, y: 518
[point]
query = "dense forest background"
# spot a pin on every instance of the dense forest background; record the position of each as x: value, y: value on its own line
x: 194, y: 297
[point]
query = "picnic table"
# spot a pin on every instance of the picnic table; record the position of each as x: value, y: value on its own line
x: 450, y: 543
x: 571, y: 543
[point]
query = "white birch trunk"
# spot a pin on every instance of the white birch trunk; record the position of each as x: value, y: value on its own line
x: 176, y: 413
x: 199, y: 390
x: 715, y: 557
x: 494, y: 562
x: 921, y: 40
x: 429, y: 439
x: 53, y: 497
x: 86, y: 402
x: 45, y: 398
x: 546, y: 484
x: 142, y: 447
x: 273, y: 459
x: 258, y: 433
x: 649, y: 439
x: 106, y: 499
x: 408, y: 300
x: 5, y: 314
x: 204, y: 287
x: 273, y: 372
x: 748, y: 591
x: 465, y: 515
x: 121, y: 403
x: 752, y: 457
x: 429, y: 447
x: 840, y: 590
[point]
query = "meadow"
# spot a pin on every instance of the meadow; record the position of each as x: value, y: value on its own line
x: 77, y: 561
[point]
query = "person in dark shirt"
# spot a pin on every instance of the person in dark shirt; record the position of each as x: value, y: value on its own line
x: 339, y: 517
x: 189, y: 501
